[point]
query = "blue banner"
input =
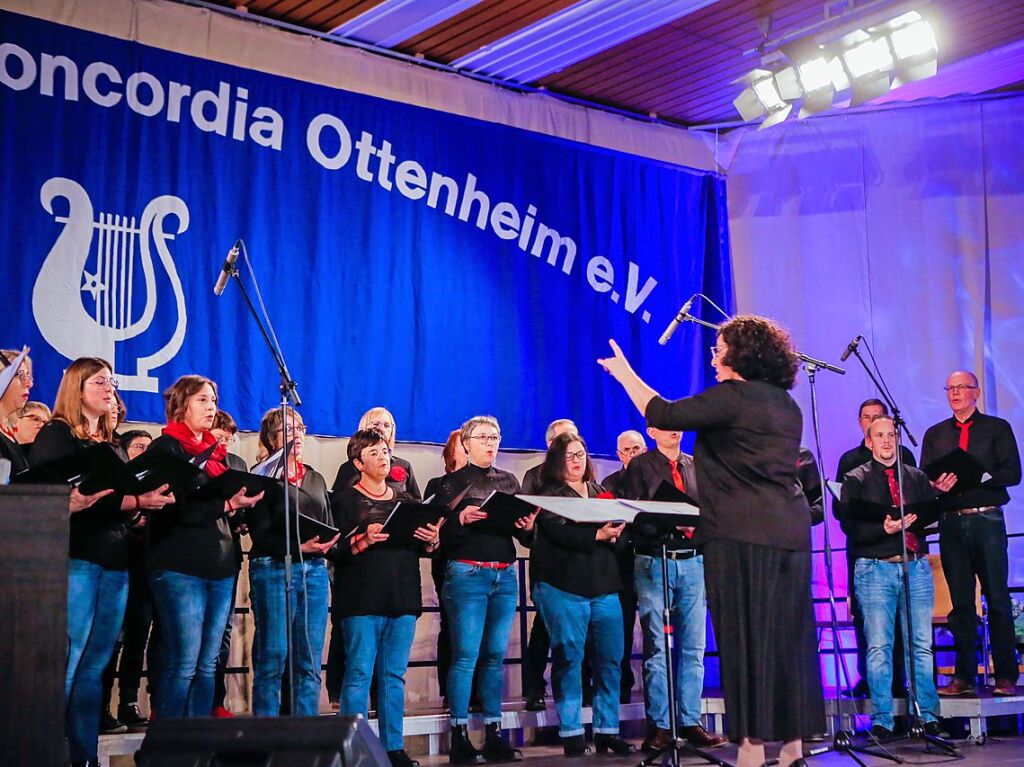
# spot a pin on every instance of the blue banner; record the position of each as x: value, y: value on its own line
x: 437, y: 265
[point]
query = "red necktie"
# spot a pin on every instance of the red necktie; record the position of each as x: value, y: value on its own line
x: 677, y: 480
x: 894, y: 491
x: 964, y: 433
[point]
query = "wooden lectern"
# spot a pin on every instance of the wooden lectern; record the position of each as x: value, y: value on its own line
x: 33, y: 622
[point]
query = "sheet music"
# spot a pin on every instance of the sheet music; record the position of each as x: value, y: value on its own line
x: 602, y: 510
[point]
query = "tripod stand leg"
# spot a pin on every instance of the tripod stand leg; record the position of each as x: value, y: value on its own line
x: 943, y: 745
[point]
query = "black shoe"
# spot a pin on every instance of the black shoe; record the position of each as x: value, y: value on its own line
x: 860, y: 690
x: 536, y: 703
x: 462, y: 750
x: 575, y: 746
x: 878, y: 732
x: 109, y: 725
x: 401, y: 759
x: 603, y: 743
x: 131, y: 717
x: 936, y: 730
x: 496, y: 748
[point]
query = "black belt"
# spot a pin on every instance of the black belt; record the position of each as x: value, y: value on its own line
x: 975, y: 510
x: 911, y: 557
x: 671, y: 554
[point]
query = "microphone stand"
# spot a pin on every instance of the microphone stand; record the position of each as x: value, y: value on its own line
x: 915, y: 731
x: 289, y: 394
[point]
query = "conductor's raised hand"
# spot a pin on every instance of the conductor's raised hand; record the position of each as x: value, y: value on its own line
x: 79, y: 502
x: 610, y: 531
x: 617, y: 364
x: 471, y: 514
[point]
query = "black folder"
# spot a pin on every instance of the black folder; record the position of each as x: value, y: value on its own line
x: 92, y: 469
x: 409, y: 516
x: 230, y: 482
x: 927, y: 511
x: 502, y: 512
x: 156, y: 467
x: 311, y: 528
x: 966, y: 467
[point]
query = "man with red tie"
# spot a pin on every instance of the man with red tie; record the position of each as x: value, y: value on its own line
x: 687, y: 597
x: 878, y: 579
x: 972, y: 533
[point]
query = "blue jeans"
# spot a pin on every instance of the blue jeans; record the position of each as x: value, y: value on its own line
x: 309, y: 627
x: 481, y: 603
x: 879, y: 589
x: 193, y: 612
x: 96, y: 601
x: 689, y: 610
x: 569, y: 619
x: 386, y: 642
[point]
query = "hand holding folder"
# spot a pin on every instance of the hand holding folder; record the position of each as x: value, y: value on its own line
x: 968, y: 471
x: 406, y: 521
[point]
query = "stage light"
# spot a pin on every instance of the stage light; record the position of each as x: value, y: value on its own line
x: 840, y: 81
x: 768, y: 94
x: 914, y: 40
x: 761, y: 99
x: 868, y: 58
x: 815, y: 75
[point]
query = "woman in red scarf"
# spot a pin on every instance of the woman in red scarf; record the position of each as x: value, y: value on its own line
x: 191, y: 557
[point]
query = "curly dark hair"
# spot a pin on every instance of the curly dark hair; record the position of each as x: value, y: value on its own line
x: 760, y: 350
x: 552, y: 471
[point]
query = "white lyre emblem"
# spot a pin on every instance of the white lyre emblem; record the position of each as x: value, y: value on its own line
x: 107, y: 275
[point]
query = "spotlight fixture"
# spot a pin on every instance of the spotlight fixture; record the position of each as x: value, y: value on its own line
x: 866, y: 57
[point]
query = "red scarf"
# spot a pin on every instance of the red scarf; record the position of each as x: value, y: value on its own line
x: 215, y: 466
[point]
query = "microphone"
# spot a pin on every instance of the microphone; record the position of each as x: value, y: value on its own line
x: 678, y: 320
x: 851, y: 348
x: 226, y: 270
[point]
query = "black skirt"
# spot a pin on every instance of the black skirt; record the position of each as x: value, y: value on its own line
x: 761, y: 610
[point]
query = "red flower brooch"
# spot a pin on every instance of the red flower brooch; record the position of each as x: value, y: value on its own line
x: 605, y: 494
x: 398, y: 474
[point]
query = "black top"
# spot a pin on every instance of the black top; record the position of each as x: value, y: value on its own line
x: 382, y: 580
x: 267, y: 523
x: 748, y: 439
x: 533, y: 483
x: 868, y: 482
x: 991, y: 441
x: 809, y: 477
x: 192, y: 535
x: 348, y: 476
x: 14, y: 453
x: 470, y: 542
x: 99, y: 534
x: 858, y: 456
x: 641, y: 481
x: 568, y: 556
x: 614, y: 482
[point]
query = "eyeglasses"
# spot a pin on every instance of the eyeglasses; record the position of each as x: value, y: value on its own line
x: 25, y: 377
x: 297, y: 428
x: 380, y: 425
x: 104, y: 383
x: 579, y: 455
x: 959, y: 387
x: 37, y: 418
x: 635, y: 450
x: 714, y: 352
x: 488, y: 439
x: 377, y: 452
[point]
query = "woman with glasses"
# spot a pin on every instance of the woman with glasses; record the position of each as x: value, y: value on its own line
x: 27, y: 423
x: 191, y: 559
x: 575, y: 573
x: 309, y: 597
x: 755, y: 532
x: 401, y: 476
x: 480, y: 590
x: 378, y: 617
x: 99, y: 546
x: 12, y: 399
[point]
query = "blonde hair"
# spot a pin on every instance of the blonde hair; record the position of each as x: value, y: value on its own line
x: 68, y: 405
x: 372, y: 415
x: 478, y: 420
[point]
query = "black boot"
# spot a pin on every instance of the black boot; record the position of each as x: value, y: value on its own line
x: 462, y: 751
x: 497, y: 749
x: 401, y: 759
x: 575, y: 745
x: 603, y: 743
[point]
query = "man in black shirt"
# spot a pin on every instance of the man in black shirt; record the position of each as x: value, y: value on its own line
x: 972, y: 533
x: 629, y: 445
x: 877, y: 549
x: 687, y: 597
x: 869, y: 410
x: 538, y: 647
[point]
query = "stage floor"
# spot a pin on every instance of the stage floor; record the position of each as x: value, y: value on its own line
x: 997, y: 752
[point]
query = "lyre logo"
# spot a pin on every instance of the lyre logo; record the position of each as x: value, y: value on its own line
x: 99, y: 273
